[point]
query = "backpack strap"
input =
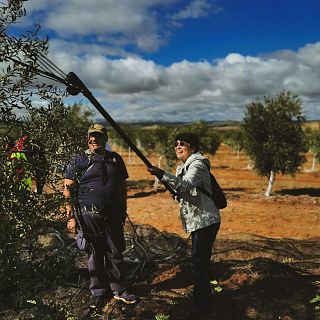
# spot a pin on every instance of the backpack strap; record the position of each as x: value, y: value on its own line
x: 209, y: 194
x: 80, y: 171
x: 216, y: 194
x: 89, y: 154
x: 110, y: 158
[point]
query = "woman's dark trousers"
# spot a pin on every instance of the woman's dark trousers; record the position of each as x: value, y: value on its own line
x: 202, y: 242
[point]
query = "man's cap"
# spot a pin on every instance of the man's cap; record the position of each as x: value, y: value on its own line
x: 97, y: 127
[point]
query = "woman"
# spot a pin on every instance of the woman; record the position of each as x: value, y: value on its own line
x: 199, y: 214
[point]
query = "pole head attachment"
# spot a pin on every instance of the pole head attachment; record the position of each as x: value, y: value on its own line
x: 75, y: 85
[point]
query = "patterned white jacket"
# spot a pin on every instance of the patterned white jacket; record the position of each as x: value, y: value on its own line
x: 197, y: 210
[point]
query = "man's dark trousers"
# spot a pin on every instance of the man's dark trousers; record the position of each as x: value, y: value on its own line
x: 105, y: 259
x: 202, y: 242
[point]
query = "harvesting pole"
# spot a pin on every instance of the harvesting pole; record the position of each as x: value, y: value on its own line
x: 74, y: 87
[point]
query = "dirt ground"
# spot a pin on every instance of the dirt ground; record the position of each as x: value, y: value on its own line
x: 292, y: 212
x: 266, y: 257
x: 266, y: 260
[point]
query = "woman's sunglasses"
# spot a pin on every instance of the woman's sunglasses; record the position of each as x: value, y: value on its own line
x: 181, y: 143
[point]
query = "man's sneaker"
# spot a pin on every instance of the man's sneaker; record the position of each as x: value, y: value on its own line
x: 97, y: 302
x: 125, y: 297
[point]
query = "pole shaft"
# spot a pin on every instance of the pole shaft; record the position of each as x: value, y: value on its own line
x: 118, y: 129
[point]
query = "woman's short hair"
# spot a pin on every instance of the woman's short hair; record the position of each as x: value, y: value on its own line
x: 190, y: 138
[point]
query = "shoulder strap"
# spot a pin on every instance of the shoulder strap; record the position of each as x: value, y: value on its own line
x: 89, y: 155
x: 216, y: 194
x: 209, y: 194
x: 76, y: 205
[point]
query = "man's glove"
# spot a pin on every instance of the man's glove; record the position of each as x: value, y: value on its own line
x: 156, y: 172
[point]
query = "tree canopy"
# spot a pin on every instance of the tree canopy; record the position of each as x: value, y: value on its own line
x: 274, y: 138
x: 49, y: 133
x: 313, y: 139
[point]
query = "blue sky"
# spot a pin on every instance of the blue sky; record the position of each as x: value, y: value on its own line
x: 246, y: 27
x: 185, y: 60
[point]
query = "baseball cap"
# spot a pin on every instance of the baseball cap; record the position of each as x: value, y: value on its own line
x: 97, y: 127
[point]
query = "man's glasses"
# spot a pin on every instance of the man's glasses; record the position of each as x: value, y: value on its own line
x: 96, y: 135
x: 181, y: 143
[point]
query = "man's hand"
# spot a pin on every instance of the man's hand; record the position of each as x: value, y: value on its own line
x: 156, y: 172
x: 71, y: 225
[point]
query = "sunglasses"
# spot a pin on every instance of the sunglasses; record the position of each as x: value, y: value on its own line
x: 181, y: 143
x: 96, y: 135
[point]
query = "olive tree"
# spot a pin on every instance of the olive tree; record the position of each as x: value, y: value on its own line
x: 210, y: 140
x: 235, y: 140
x: 25, y: 214
x: 117, y: 141
x: 313, y: 138
x: 274, y: 138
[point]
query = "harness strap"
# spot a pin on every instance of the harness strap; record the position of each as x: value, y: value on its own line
x: 209, y: 194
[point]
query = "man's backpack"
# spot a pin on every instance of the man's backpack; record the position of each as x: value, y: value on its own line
x: 109, y: 158
x: 216, y: 193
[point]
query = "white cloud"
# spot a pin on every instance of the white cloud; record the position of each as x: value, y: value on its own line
x: 196, y: 9
x: 112, y: 22
x: 142, y: 24
x: 137, y: 89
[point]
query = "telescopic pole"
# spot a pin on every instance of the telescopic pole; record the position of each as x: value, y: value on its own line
x: 76, y: 86
x: 105, y: 114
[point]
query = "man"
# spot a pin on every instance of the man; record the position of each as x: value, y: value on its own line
x: 20, y: 164
x: 95, y: 183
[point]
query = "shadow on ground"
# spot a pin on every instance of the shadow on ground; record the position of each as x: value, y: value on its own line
x: 312, y: 192
x: 256, y: 278
x: 143, y: 194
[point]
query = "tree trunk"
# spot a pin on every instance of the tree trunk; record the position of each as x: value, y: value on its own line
x: 129, y: 155
x: 270, y: 184
x: 314, y: 161
x: 238, y: 152
x: 156, y: 180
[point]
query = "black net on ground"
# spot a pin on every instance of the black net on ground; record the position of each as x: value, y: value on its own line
x: 146, y: 243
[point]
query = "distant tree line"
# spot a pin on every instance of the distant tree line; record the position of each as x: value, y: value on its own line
x: 161, y: 138
x: 271, y: 135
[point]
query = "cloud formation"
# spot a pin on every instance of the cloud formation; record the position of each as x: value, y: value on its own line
x: 138, y: 89
x: 94, y: 39
x: 196, y: 9
x: 118, y: 23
